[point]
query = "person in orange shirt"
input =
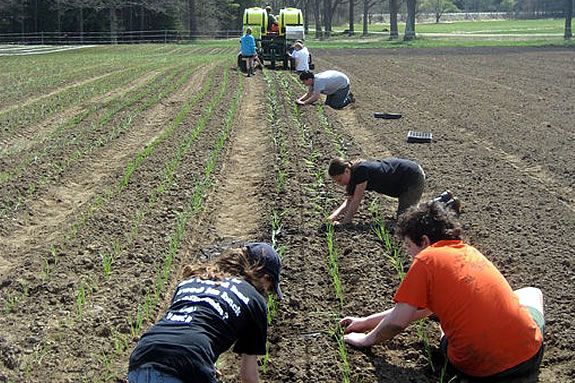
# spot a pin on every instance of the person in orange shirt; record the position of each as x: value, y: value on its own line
x: 489, y: 330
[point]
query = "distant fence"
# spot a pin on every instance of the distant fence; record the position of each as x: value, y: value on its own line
x: 463, y: 16
x: 131, y: 37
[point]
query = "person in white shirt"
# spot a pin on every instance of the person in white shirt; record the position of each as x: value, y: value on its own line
x: 300, y: 55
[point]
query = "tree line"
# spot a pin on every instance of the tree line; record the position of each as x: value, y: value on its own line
x: 195, y: 17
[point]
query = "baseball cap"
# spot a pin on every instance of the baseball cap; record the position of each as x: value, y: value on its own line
x: 269, y: 258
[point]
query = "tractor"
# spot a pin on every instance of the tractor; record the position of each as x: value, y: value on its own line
x: 274, y: 44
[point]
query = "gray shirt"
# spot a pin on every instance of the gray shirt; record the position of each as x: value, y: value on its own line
x: 329, y: 82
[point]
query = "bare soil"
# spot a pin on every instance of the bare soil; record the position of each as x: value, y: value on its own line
x: 504, y: 142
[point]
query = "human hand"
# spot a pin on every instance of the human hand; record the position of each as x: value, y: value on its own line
x: 352, y: 324
x: 357, y: 339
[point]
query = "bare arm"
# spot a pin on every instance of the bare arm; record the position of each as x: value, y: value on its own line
x: 309, y: 98
x: 355, y: 324
x: 338, y: 211
x: 354, y: 201
x: 249, y: 369
x: 392, y: 323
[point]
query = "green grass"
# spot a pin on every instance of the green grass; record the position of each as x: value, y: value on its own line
x: 538, y: 26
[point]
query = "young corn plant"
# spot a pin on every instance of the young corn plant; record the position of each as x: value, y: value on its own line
x: 422, y: 333
x: 81, y: 299
x: 337, y: 334
x: 333, y: 265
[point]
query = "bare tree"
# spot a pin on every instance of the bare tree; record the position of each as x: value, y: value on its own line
x: 568, y: 16
x: 316, y: 14
x: 367, y: 4
x: 393, y: 29
x: 410, y: 22
x: 351, y: 5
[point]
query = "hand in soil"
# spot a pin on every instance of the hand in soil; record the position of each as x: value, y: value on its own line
x: 352, y: 324
x: 357, y: 339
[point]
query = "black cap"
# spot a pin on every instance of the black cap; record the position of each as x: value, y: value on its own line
x: 269, y: 258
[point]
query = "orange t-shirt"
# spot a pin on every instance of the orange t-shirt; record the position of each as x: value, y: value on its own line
x: 487, y: 329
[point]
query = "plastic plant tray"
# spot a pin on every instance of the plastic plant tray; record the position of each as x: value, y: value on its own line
x: 419, y: 137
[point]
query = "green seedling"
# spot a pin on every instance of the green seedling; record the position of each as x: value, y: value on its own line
x: 337, y: 334
x: 80, y: 299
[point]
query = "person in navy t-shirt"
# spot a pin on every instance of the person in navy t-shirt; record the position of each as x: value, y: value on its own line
x: 394, y: 177
x: 218, y: 305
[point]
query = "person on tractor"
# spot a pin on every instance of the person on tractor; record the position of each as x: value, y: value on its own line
x: 300, y: 56
x: 332, y: 83
x: 272, y: 21
x: 220, y: 304
x: 248, y: 50
x: 490, y: 333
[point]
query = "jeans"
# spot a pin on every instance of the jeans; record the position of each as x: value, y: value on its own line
x: 149, y: 374
x: 339, y: 99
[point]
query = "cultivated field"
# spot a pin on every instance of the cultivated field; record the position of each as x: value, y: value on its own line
x: 120, y: 164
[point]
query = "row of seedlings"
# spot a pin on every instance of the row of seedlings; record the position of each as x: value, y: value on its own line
x: 321, y: 204
x: 278, y: 211
x: 340, y: 145
x: 310, y: 338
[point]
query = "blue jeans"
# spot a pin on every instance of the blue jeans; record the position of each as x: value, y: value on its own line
x: 339, y: 99
x: 149, y: 374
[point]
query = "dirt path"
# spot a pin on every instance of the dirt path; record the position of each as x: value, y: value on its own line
x: 239, y: 199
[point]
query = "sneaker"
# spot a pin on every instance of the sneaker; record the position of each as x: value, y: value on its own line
x: 444, y: 197
x: 351, y: 97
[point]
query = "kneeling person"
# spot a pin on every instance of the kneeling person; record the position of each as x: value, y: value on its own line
x: 219, y: 304
x: 490, y: 331
x: 332, y: 83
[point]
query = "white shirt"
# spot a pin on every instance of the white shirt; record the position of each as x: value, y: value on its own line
x: 301, y: 58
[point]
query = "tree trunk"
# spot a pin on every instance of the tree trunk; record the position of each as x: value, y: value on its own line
x: 327, y: 17
x: 351, y: 4
x: 393, y: 29
x: 142, y: 21
x: 410, y: 22
x: 192, y: 19
x: 306, y: 11
x: 568, y: 17
x: 316, y: 13
x: 113, y: 25
x: 81, y: 24
x: 365, y: 15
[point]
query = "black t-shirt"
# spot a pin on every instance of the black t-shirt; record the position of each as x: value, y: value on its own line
x: 390, y: 176
x: 205, y: 318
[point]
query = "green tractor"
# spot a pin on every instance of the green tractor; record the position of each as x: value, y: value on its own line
x: 273, y: 44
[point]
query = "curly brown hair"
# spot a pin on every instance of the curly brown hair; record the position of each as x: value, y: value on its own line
x: 234, y: 262
x: 431, y: 219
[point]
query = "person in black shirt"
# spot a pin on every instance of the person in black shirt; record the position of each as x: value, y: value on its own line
x: 217, y: 305
x: 394, y: 177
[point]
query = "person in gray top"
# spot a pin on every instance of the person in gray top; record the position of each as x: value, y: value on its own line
x: 334, y: 84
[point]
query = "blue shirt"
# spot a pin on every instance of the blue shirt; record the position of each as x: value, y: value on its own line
x: 248, y: 45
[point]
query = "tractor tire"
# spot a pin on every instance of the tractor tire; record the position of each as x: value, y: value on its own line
x: 273, y: 59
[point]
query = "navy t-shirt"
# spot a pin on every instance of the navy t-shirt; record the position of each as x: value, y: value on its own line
x: 391, y: 176
x: 205, y: 319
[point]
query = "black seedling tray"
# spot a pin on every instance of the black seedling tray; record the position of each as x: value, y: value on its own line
x: 387, y: 116
x: 419, y: 137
